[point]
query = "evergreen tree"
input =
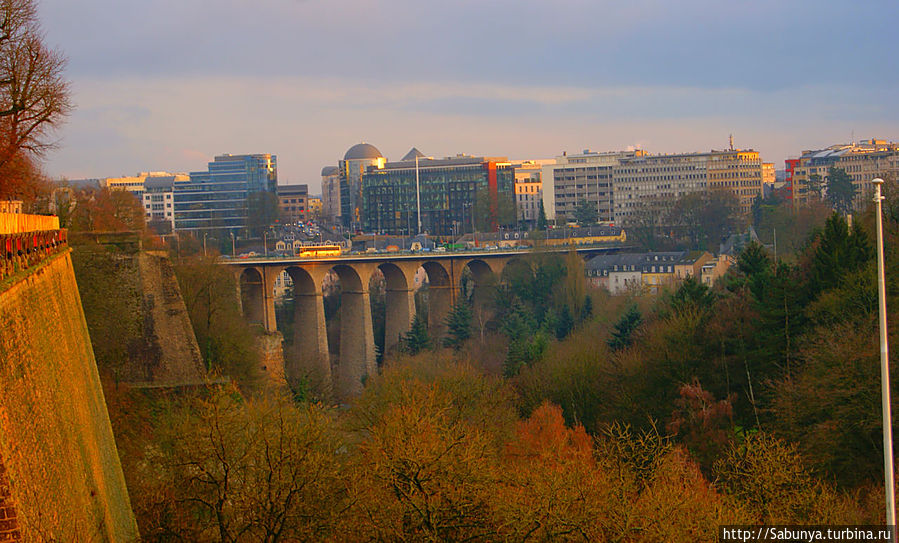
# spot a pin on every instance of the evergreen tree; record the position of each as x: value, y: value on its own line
x: 564, y: 323
x: 753, y: 259
x: 840, y: 190
x: 691, y: 294
x: 587, y: 308
x: 417, y: 338
x: 585, y: 213
x: 541, y: 218
x: 458, y: 324
x: 623, y: 335
x: 839, y: 252
x: 524, y: 351
x: 815, y: 185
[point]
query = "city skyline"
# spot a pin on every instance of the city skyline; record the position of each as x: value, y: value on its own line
x: 166, y: 86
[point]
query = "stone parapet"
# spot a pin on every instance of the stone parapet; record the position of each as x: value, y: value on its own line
x: 16, y: 223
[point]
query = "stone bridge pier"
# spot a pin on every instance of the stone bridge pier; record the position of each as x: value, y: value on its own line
x: 400, y: 301
x: 310, y: 357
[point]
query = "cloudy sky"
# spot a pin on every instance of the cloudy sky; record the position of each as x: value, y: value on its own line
x: 168, y: 84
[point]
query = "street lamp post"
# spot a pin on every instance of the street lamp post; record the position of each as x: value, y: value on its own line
x: 233, y: 248
x: 885, y: 370
x: 265, y: 243
x: 204, y: 243
x: 417, y: 195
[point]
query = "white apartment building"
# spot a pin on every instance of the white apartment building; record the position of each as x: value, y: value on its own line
x: 158, y: 198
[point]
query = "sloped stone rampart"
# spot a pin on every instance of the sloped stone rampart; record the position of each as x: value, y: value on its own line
x: 63, y: 476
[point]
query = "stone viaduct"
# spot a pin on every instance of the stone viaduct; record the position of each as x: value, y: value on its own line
x: 357, y: 357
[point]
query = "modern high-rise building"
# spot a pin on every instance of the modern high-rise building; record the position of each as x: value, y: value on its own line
x: 356, y: 161
x: 447, y: 191
x: 224, y: 196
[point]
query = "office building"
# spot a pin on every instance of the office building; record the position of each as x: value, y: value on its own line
x: 226, y: 195
x: 529, y: 190
x: 158, y: 201
x: 331, y: 195
x: 356, y: 161
x: 583, y: 176
x: 656, y: 182
x: 293, y: 203
x: 135, y: 184
x: 452, y: 191
x: 863, y: 161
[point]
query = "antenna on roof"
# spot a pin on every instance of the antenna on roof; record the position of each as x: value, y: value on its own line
x: 731, y: 142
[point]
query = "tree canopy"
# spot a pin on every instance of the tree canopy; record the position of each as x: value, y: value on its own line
x: 585, y: 213
x: 841, y: 190
x: 34, y: 96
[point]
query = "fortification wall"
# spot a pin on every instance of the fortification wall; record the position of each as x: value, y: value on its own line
x: 65, y: 481
x: 167, y: 328
x: 139, y: 326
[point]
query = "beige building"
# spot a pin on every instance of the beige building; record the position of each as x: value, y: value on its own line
x: 659, y: 180
x: 293, y: 202
x: 315, y: 207
x: 135, y: 184
x: 863, y: 162
x: 650, y: 273
x: 738, y: 172
x: 715, y: 268
x: 529, y: 189
x: 769, y: 177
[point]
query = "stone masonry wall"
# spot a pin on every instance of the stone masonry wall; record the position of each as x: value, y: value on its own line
x: 139, y: 326
x: 9, y: 523
x: 65, y: 481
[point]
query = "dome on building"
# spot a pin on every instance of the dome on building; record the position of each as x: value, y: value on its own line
x: 362, y: 151
x: 329, y: 170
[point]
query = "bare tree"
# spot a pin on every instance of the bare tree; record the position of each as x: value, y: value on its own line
x: 34, y: 96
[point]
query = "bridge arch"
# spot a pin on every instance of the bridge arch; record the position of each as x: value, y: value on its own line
x: 516, y: 266
x: 483, y: 276
x: 441, y: 296
x: 356, y: 360
x: 399, y: 301
x: 308, y: 358
x: 252, y: 295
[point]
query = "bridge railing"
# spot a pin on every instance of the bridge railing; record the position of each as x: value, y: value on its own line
x: 272, y: 255
x: 23, y: 250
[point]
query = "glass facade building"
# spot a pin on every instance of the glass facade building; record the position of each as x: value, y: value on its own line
x: 449, y: 188
x: 217, y: 199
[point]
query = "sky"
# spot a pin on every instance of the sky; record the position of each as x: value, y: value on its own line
x: 169, y: 84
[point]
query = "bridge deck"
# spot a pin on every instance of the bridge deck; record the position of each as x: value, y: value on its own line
x: 419, y: 255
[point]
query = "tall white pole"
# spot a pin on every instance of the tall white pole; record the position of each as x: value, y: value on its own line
x: 885, y: 369
x: 417, y: 195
